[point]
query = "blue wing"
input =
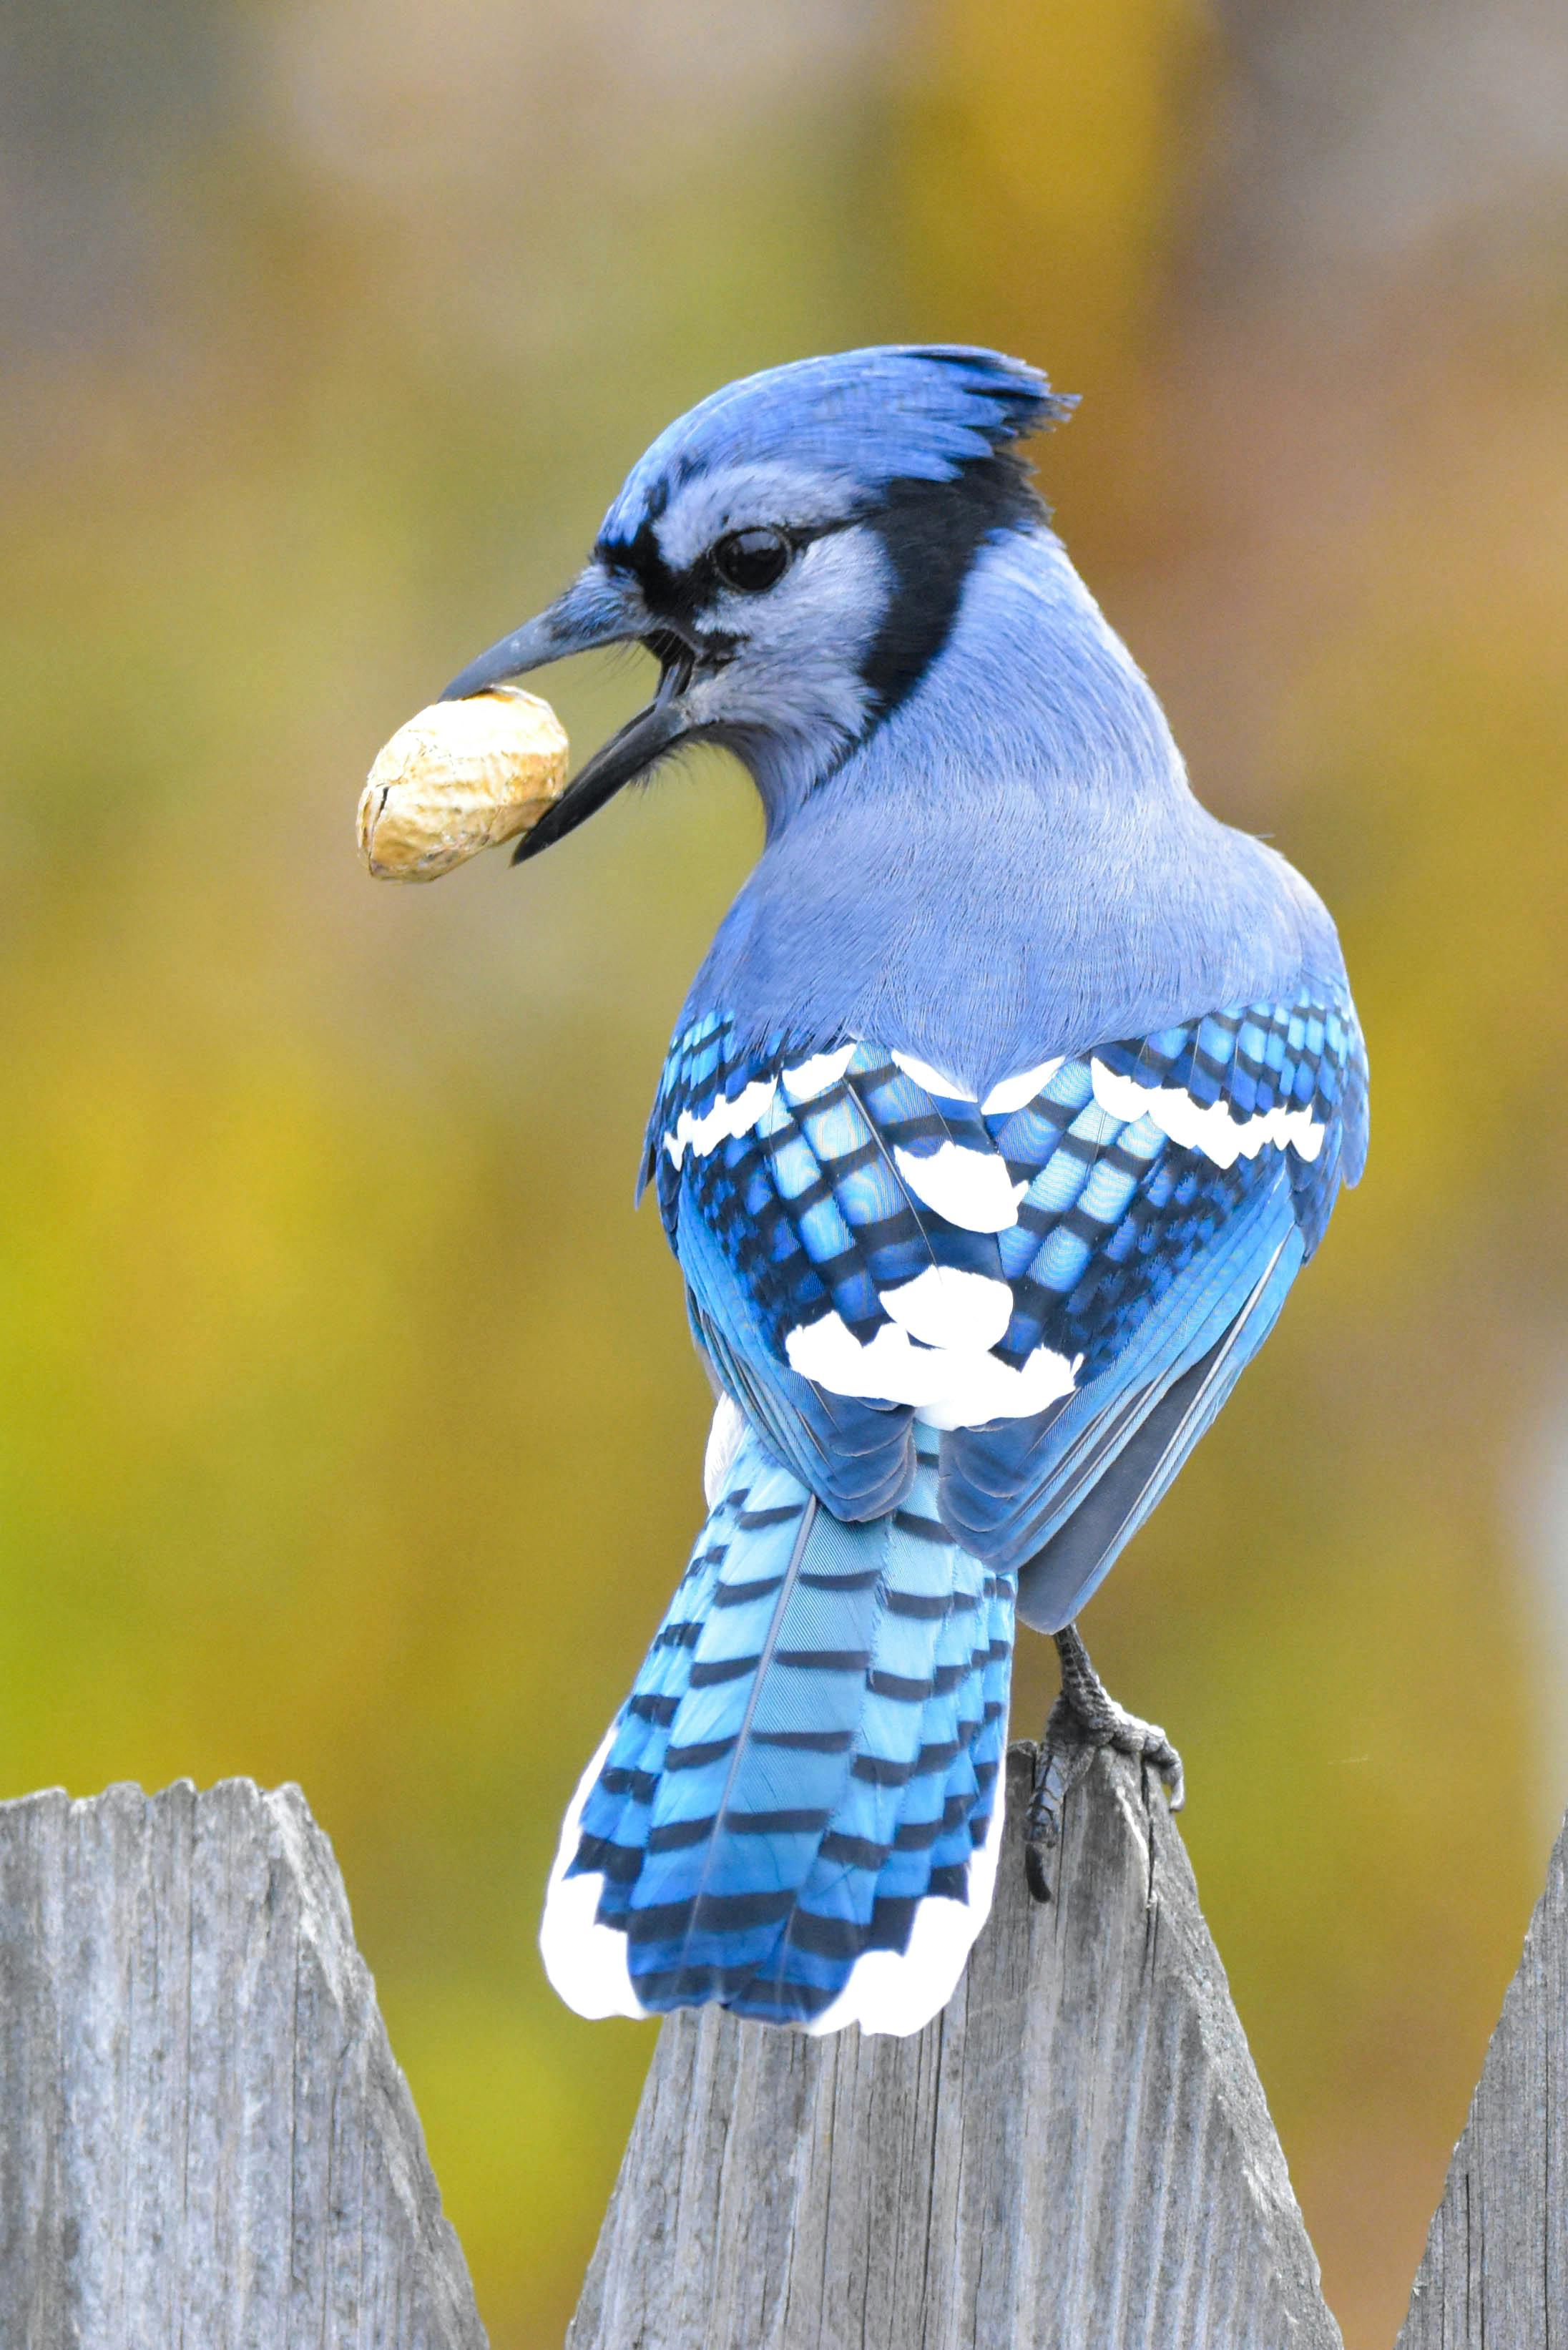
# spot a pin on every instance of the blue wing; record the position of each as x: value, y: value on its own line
x: 1065, y: 1277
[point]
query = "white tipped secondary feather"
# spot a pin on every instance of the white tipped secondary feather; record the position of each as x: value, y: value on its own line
x: 724, y: 1440
x: 1017, y: 1093
x: 980, y: 1387
x: 929, y: 1080
x: 948, y: 1307
x: 722, y: 1121
x: 586, y: 1961
x: 950, y: 1386
x: 1206, y: 1127
x: 971, y: 1188
x: 813, y: 1077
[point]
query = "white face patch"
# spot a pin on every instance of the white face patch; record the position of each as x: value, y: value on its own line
x: 795, y: 674
x: 1206, y: 1127
x: 971, y: 1188
x: 753, y: 496
x: 950, y: 1387
x: 722, y: 1122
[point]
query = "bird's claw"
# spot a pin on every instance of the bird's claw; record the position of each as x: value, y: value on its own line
x: 1064, y: 1757
x: 1083, y: 1719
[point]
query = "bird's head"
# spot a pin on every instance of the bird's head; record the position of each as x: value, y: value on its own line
x: 792, y: 552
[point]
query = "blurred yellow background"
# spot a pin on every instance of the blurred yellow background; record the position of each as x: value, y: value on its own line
x: 352, y: 1432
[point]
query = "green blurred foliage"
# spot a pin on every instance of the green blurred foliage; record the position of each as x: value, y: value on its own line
x: 353, y: 1432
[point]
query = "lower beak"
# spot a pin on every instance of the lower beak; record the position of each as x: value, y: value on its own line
x: 597, y: 610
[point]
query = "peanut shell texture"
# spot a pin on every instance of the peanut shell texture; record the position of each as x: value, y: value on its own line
x: 459, y: 778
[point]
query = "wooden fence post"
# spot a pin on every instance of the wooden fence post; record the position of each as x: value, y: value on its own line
x: 1075, y: 2156
x: 204, y: 2140
x: 1495, y: 2272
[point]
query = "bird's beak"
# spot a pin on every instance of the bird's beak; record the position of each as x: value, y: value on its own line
x: 598, y: 609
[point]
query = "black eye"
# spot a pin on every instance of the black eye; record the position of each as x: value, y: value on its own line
x: 752, y: 559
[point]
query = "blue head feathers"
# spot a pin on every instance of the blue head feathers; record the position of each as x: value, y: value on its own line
x: 862, y: 419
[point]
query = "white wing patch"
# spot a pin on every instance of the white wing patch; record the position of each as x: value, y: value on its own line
x: 982, y: 1388
x: 1206, y: 1127
x: 723, y: 1121
x: 948, y: 1307
x: 970, y: 1189
x: 898, y: 1991
x: 950, y: 1386
x: 586, y: 1961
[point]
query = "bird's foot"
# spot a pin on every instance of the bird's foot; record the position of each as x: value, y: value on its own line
x: 1085, y: 1718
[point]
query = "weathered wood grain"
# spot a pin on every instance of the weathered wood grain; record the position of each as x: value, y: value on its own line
x: 204, y: 2140
x: 1076, y: 2155
x: 1494, y: 2275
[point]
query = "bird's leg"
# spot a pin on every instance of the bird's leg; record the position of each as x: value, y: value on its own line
x: 1085, y: 1718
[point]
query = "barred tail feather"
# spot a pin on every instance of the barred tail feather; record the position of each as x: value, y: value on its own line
x: 797, y: 1810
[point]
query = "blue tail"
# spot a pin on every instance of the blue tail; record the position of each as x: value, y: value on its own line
x: 796, y: 1813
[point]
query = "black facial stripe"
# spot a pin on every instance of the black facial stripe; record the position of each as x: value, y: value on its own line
x: 661, y: 587
x: 932, y: 532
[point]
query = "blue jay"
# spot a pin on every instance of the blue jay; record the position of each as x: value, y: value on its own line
x: 1013, y: 1093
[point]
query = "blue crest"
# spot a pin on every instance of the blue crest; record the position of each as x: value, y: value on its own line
x: 893, y: 413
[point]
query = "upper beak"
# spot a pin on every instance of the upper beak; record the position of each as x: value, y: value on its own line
x: 598, y: 609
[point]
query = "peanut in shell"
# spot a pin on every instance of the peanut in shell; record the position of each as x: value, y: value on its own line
x: 459, y: 778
